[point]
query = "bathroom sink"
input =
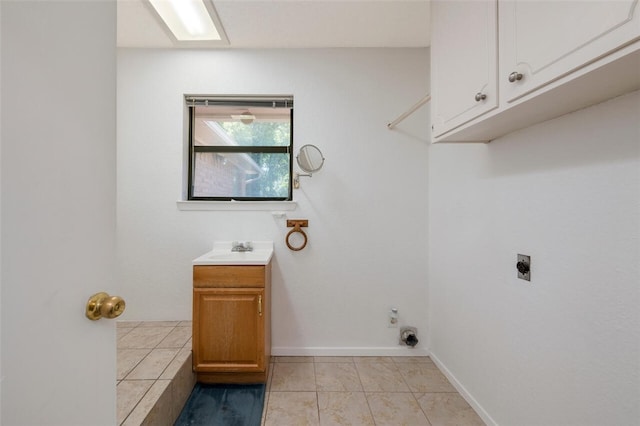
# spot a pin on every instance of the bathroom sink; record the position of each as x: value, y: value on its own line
x: 222, y: 254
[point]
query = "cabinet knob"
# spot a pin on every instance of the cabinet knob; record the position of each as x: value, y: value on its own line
x: 515, y: 76
x: 480, y: 96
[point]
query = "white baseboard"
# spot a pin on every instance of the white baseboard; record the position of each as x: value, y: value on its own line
x: 349, y: 351
x: 463, y: 391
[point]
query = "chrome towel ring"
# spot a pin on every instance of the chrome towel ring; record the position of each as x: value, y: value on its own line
x: 297, y: 226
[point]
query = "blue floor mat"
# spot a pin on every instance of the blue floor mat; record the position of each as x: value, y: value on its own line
x: 223, y: 405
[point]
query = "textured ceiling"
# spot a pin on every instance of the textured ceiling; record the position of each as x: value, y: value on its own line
x: 292, y: 23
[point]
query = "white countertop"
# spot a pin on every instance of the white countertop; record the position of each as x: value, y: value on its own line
x: 222, y: 255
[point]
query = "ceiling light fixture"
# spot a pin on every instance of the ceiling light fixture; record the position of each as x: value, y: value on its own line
x: 189, y: 20
x: 245, y: 117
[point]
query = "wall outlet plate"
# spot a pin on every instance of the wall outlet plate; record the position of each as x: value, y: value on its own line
x: 393, y: 318
x: 523, y: 266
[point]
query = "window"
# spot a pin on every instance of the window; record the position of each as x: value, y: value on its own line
x: 240, y: 147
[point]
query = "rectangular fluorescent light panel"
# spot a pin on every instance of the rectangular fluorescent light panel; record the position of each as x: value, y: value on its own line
x: 188, y: 20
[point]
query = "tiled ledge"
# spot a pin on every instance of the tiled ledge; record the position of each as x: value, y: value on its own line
x: 155, y: 376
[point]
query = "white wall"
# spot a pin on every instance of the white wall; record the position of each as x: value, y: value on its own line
x: 58, y: 211
x: 367, y: 208
x: 565, y: 348
x: 1, y: 376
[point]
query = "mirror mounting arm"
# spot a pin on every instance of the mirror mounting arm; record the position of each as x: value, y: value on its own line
x: 296, y: 179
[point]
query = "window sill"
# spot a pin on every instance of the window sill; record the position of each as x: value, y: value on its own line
x: 237, y: 205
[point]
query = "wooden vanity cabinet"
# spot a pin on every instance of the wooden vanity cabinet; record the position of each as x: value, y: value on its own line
x: 231, y: 323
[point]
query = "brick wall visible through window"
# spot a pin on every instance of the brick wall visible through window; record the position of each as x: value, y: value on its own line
x: 214, y: 174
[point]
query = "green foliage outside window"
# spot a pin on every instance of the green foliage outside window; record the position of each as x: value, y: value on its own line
x: 274, y: 180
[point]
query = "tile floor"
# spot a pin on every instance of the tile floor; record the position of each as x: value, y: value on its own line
x: 362, y: 391
x: 154, y: 377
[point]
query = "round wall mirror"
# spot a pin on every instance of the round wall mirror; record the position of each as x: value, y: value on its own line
x: 310, y: 158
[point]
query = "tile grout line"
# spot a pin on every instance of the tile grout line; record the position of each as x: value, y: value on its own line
x: 123, y: 379
x: 398, y: 365
x: 135, y: 406
x: 137, y: 364
x: 267, y: 386
x: 174, y: 357
x: 140, y: 325
x: 412, y: 393
x: 315, y: 386
x: 355, y: 366
x: 147, y: 391
x: 150, y: 351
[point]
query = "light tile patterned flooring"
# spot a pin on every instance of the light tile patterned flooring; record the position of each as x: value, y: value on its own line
x: 154, y: 361
x: 362, y: 391
x: 154, y: 376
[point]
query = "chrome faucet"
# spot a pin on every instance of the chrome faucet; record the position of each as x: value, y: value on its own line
x: 241, y: 246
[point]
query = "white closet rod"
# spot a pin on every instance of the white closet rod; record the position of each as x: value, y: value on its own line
x: 410, y: 111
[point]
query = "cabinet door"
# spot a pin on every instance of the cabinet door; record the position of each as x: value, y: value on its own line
x: 546, y: 40
x: 463, y: 62
x: 228, y: 329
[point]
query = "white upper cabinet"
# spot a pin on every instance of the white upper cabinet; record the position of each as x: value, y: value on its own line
x: 554, y: 57
x: 465, y: 62
x: 545, y: 40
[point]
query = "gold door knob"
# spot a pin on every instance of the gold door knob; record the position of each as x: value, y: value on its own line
x: 102, y: 305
